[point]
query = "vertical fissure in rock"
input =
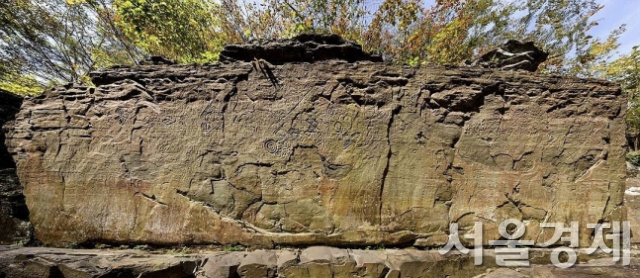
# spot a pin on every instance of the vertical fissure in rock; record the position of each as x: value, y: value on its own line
x: 394, y: 112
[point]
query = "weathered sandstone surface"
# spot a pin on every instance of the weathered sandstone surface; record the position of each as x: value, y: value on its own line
x: 313, y: 262
x: 333, y: 153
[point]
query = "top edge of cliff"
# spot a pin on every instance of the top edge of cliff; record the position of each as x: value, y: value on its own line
x: 302, y: 48
x: 313, y: 48
x: 310, y: 48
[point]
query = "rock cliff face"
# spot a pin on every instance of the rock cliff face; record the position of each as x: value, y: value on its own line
x: 339, y: 153
x: 14, y: 215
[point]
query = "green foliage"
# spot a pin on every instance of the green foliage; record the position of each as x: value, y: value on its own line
x: 21, y: 84
x: 55, y: 41
x: 625, y: 71
x: 52, y: 41
x: 185, y: 30
x: 244, y: 21
x: 634, y: 158
x: 561, y: 27
x: 454, y: 30
x: 234, y: 248
x: 24, y: 85
x: 180, y: 251
x: 21, y: 243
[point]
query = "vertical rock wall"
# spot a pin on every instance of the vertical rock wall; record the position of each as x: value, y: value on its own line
x: 331, y: 152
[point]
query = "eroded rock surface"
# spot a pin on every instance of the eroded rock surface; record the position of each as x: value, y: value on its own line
x: 339, y: 153
x: 69, y: 263
x: 513, y: 55
x: 314, y: 262
x: 302, y: 48
x: 14, y: 214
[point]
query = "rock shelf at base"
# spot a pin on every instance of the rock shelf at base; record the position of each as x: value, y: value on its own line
x: 321, y: 262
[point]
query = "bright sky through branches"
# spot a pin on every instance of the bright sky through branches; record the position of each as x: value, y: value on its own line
x: 616, y: 13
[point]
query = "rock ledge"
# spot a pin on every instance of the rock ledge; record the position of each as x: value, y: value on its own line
x: 302, y: 48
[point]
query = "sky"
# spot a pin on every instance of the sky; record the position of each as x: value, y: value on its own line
x: 614, y: 14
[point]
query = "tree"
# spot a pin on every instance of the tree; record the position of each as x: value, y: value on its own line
x: 625, y: 70
x: 12, y: 81
x: 52, y: 41
x: 273, y: 19
x: 451, y: 31
x: 562, y: 26
x: 185, y: 30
